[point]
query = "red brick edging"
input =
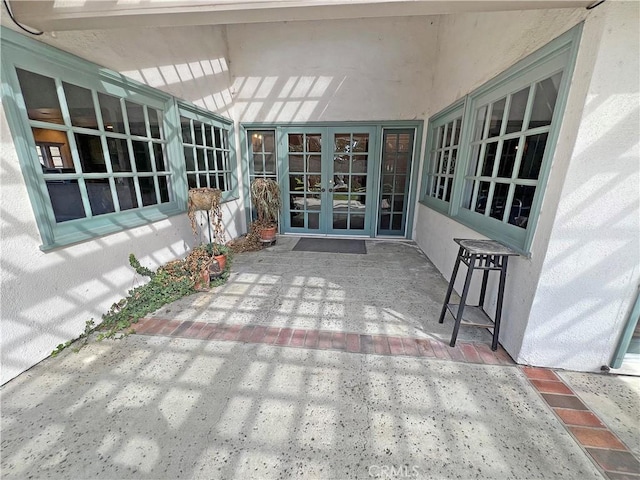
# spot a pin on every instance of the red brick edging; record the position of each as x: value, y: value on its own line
x: 325, y: 340
x: 604, y: 447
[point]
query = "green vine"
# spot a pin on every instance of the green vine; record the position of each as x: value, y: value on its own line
x: 169, y: 283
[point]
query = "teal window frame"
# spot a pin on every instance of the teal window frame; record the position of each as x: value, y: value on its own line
x: 558, y: 55
x: 213, y: 154
x: 24, y: 53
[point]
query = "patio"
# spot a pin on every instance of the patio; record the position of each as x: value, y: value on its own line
x: 221, y: 385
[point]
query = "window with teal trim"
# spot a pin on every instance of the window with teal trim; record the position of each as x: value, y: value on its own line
x: 98, y: 153
x: 488, y: 156
x: 207, y: 152
x: 443, y: 154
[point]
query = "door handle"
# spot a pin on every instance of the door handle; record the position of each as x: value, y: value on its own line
x: 331, y: 189
x: 322, y: 189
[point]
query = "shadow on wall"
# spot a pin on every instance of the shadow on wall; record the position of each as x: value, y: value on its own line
x: 595, y: 255
x: 46, y: 298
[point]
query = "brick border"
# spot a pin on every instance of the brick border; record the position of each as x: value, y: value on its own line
x: 603, y: 446
x: 325, y: 340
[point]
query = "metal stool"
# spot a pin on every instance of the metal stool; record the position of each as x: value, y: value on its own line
x: 485, y: 255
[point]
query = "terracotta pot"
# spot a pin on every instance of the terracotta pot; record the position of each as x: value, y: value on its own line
x: 202, y: 282
x: 222, y: 261
x: 268, y: 234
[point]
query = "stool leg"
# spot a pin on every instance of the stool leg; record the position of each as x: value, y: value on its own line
x: 496, y: 327
x: 450, y: 288
x: 463, y: 300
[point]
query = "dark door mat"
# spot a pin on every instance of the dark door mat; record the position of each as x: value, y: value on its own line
x: 330, y: 245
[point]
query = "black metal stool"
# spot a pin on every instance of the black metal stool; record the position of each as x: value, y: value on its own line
x: 485, y: 255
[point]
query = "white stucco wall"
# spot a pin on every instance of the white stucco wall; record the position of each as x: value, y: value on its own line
x: 591, y: 270
x: 557, y: 324
x: 364, y: 69
x: 47, y: 297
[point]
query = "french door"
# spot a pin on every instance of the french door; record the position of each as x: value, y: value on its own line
x: 328, y: 180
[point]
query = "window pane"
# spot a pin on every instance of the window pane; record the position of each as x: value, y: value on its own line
x: 360, y: 142
x: 221, y: 163
x: 521, y: 205
x: 158, y: 152
x: 217, y: 137
x: 500, y: 192
x: 55, y: 155
x: 213, y: 181
x: 164, y: 189
x: 270, y: 164
x: 257, y: 163
x: 80, y: 103
x: 65, y: 200
x: 508, y: 157
x: 489, y: 159
x: 111, y: 113
x: 40, y: 97
x: 135, y: 114
x: 456, y: 139
x: 126, y: 193
x: 497, y: 111
x: 545, y: 101
x: 295, y: 142
x: 203, y: 179
x: 534, y: 146
x: 189, y: 160
x: 155, y: 122
x: 479, y: 127
x: 296, y: 163
x: 448, y: 134
x: 448, y: 187
x: 119, y: 153
x: 191, y: 180
x: 142, y: 156
x: 516, y: 110
x: 208, y: 137
x: 185, y: 124
x: 197, y: 132
x: 202, y: 165
x: 100, y: 198
x: 452, y: 161
x: 148, y: 191
x: 91, y: 154
x: 211, y: 161
x: 481, y: 201
x: 269, y: 141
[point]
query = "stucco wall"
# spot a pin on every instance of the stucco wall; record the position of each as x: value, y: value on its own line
x: 591, y: 271
x: 366, y: 69
x: 548, y: 319
x: 47, y: 297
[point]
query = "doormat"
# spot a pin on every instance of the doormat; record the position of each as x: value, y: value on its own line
x: 330, y: 245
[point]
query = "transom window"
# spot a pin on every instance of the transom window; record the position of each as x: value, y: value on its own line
x: 489, y: 154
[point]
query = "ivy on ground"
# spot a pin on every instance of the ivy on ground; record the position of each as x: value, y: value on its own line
x: 167, y: 284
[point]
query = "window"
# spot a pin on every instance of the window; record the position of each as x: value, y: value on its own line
x: 206, y: 147
x: 490, y: 153
x: 444, y: 131
x: 262, y: 154
x: 99, y: 152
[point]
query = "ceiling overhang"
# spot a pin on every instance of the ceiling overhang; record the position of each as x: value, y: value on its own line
x: 59, y: 15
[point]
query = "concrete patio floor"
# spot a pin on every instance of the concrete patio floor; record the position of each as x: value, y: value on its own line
x: 189, y: 397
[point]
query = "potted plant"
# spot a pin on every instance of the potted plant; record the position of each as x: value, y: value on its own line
x: 208, y: 200
x: 265, y: 196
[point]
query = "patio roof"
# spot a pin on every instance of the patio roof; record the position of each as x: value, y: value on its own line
x: 49, y: 15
